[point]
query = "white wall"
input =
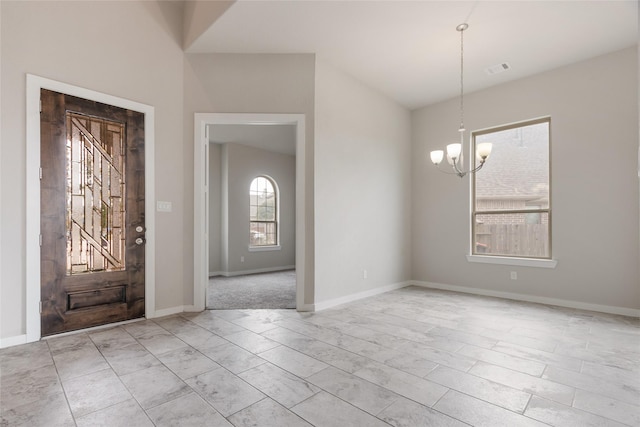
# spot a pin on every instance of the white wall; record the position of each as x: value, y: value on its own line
x: 363, y: 187
x: 132, y: 51
x: 594, y: 139
x: 236, y: 83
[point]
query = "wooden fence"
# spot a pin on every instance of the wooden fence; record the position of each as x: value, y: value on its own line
x: 529, y: 240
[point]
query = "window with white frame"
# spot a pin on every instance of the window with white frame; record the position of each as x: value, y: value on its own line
x: 511, y: 206
x: 263, y: 212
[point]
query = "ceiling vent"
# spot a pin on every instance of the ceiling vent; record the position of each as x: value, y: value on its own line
x: 496, y: 69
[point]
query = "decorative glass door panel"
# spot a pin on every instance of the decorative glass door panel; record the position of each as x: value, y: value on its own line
x: 95, y: 195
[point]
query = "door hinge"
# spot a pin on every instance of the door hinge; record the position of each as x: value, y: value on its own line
x: 40, y: 173
x: 40, y: 239
x: 40, y: 307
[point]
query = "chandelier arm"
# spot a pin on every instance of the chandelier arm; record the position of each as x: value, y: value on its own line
x: 444, y: 171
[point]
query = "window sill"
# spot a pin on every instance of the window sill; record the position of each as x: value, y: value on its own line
x: 264, y: 248
x: 523, y: 262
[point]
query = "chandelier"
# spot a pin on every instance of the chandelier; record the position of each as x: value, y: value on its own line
x: 454, y: 151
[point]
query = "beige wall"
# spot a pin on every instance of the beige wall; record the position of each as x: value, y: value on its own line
x: 363, y: 187
x: 594, y: 138
x: 234, y: 83
x: 75, y: 43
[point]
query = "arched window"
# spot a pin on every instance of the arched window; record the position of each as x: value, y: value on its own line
x: 263, y: 212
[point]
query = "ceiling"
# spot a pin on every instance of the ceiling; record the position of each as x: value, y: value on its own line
x: 410, y: 50
x: 276, y: 138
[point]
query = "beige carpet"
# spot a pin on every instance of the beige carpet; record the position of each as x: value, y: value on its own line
x: 253, y: 291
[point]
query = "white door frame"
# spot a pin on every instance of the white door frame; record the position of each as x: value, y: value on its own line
x: 32, y: 301
x: 201, y: 195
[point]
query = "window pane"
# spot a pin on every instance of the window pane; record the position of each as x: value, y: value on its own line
x: 262, y: 213
x: 516, y: 175
x: 512, y: 234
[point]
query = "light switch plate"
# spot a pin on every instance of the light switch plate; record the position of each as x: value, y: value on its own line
x: 163, y: 206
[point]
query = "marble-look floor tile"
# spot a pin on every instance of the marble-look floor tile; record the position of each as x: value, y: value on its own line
x: 143, y: 327
x: 29, y: 387
x: 111, y: 339
x: 480, y: 388
x: 160, y: 342
x: 215, y: 324
x: 95, y: 391
x: 407, y: 413
x: 256, y: 323
x: 324, y: 409
x: 267, y: 413
x: 556, y: 414
x: 293, y: 361
x: 224, y: 391
x: 233, y: 358
x: 500, y: 359
x: 50, y: 410
x: 154, y: 386
x: 123, y: 414
x: 82, y: 360
x: 541, y: 387
x: 606, y: 407
x: 24, y: 358
x: 411, y: 364
x: 613, y: 374
x: 463, y: 337
x: 479, y: 413
x: 189, y: 410
x: 441, y: 357
x: 130, y: 358
x: 552, y: 359
x: 350, y: 388
x: 280, y: 385
x: 407, y: 385
x: 250, y: 341
x: 187, y: 362
x: 589, y: 383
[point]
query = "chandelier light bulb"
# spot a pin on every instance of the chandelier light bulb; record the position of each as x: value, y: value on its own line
x: 453, y: 150
x: 436, y: 156
x: 484, y: 149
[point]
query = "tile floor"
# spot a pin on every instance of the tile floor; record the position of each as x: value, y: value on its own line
x: 412, y: 357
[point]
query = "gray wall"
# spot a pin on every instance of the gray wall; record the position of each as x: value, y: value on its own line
x: 363, y: 187
x: 594, y: 141
x: 243, y: 164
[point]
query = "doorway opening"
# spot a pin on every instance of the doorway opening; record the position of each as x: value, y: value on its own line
x: 252, y: 176
x: 205, y: 237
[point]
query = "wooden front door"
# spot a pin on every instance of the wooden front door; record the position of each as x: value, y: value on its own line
x: 92, y: 213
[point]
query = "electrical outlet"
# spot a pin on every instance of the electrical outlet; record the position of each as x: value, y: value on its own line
x: 364, y: 274
x: 514, y: 275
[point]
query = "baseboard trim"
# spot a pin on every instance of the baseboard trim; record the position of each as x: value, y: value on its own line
x: 168, y: 311
x: 13, y: 341
x: 190, y: 309
x: 358, y: 296
x: 254, y: 271
x: 623, y: 311
x: 306, y: 308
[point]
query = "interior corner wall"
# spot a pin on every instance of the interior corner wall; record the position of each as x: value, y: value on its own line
x: 594, y: 184
x: 363, y: 187
x: 244, y: 164
x: 142, y: 61
x: 250, y: 83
